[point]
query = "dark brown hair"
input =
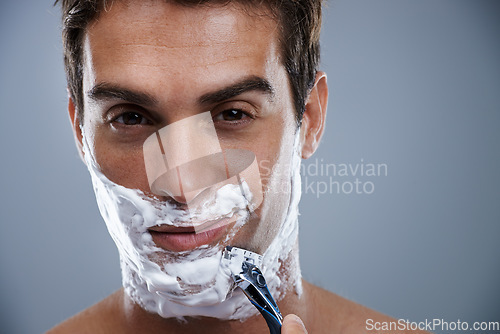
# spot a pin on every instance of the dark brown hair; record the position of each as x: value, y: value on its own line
x: 300, y: 23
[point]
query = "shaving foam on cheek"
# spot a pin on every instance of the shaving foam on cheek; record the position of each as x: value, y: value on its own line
x: 189, y: 283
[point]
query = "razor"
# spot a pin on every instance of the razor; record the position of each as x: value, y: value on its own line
x: 244, y: 266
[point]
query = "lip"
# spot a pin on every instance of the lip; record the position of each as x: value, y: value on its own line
x: 180, y: 239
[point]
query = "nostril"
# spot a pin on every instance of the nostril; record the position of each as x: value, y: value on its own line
x: 167, y: 184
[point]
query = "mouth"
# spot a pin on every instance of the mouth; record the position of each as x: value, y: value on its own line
x: 180, y: 239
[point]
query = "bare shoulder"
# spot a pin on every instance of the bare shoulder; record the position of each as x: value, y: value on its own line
x: 103, y: 317
x: 341, y: 315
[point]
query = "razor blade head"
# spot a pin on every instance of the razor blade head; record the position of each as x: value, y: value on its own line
x: 235, y: 258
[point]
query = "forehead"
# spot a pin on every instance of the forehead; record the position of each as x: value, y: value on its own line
x: 152, y: 41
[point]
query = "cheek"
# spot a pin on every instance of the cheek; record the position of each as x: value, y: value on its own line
x: 275, y: 177
x: 121, y: 163
x: 276, y: 174
x: 275, y: 158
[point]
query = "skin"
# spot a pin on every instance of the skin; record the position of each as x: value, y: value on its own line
x: 134, y: 47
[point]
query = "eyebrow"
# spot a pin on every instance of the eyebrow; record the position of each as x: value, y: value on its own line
x: 105, y: 91
x: 252, y: 83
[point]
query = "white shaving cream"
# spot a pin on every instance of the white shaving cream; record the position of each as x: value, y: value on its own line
x: 189, y: 283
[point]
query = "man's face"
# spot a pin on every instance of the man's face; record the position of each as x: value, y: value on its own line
x: 150, y: 64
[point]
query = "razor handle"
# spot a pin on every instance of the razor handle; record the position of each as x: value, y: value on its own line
x: 254, y: 286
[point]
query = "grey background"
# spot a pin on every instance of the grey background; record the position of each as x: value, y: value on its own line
x: 414, y: 85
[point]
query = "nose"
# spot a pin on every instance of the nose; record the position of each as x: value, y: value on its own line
x: 184, y: 158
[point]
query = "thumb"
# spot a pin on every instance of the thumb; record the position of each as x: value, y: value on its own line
x: 292, y: 324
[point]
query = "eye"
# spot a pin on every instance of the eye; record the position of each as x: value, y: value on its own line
x: 131, y: 118
x: 231, y: 115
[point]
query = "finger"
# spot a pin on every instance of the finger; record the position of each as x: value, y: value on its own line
x: 292, y: 324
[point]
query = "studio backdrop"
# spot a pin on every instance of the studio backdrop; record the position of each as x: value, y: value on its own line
x: 400, y: 207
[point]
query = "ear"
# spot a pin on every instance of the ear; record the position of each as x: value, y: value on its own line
x: 313, y: 120
x: 75, y: 124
